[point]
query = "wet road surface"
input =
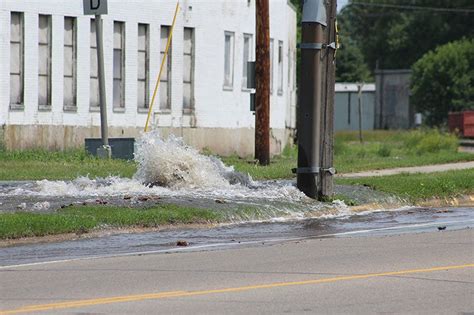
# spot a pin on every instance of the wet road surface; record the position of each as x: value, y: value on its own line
x: 408, y: 220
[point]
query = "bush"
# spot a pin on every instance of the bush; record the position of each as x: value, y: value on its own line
x: 443, y: 81
x: 430, y: 141
x: 384, y: 150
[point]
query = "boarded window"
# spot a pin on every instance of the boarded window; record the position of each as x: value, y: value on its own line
x: 165, y: 80
x: 271, y: 65
x: 16, y: 60
x: 70, y: 53
x: 44, y: 60
x: 280, y: 67
x: 143, y: 66
x: 188, y: 70
x: 229, y: 60
x: 94, y: 76
x: 247, y: 57
x: 119, y: 64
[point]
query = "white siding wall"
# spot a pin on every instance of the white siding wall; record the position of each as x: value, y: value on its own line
x: 214, y: 106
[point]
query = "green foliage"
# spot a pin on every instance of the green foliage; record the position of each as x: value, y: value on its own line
x: 443, y: 81
x: 396, y: 38
x: 351, y: 66
x: 384, y: 150
x: 430, y: 141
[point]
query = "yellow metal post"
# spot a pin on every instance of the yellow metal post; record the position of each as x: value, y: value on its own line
x: 168, y: 44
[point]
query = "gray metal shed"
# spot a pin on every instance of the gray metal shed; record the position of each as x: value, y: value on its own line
x: 347, y: 108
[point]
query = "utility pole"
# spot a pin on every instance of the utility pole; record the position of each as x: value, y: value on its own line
x: 262, y: 81
x: 309, y: 114
x: 326, y: 188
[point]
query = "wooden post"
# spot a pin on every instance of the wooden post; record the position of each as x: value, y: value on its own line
x: 309, y: 109
x: 359, y: 105
x: 326, y: 187
x: 262, y: 82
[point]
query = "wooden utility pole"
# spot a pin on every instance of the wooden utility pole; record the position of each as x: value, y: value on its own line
x: 326, y: 187
x: 262, y: 81
x: 309, y: 113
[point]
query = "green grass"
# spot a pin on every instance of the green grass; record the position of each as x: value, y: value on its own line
x: 417, y: 187
x: 83, y: 219
x: 42, y: 164
x: 379, y: 150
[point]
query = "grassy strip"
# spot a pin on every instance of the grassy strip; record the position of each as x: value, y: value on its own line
x: 380, y: 150
x: 82, y: 219
x: 60, y: 170
x: 417, y: 187
x: 54, y: 165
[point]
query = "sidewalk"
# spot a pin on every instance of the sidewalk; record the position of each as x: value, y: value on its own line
x: 415, y: 169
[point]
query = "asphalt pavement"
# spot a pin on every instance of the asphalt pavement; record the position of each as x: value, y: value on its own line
x: 430, y: 272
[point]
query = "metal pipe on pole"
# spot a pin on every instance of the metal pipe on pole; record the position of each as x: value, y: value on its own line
x: 309, y: 114
x: 105, y: 151
x: 262, y: 82
x: 326, y: 187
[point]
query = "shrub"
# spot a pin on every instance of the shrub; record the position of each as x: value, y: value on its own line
x: 443, y: 81
x: 430, y: 141
x: 384, y: 150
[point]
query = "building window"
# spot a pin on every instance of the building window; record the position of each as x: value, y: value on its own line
x: 119, y: 64
x: 248, y: 48
x: 229, y: 60
x: 280, y: 67
x: 143, y: 66
x: 271, y: 65
x: 188, y: 71
x: 94, y: 72
x: 16, y: 60
x: 44, y: 61
x: 70, y: 54
x: 165, y: 80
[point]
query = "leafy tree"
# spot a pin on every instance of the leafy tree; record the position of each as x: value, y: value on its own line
x: 350, y: 64
x: 396, y: 37
x: 443, y: 81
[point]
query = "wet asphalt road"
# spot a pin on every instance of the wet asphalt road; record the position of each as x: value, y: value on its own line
x: 431, y: 272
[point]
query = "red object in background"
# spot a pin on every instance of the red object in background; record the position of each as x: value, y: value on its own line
x: 463, y: 122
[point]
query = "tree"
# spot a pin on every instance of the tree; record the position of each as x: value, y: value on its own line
x: 351, y: 66
x: 395, y: 33
x: 443, y: 81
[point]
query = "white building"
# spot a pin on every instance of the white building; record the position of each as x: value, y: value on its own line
x: 48, y: 72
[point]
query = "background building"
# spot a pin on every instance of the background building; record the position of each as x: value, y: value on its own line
x: 392, y: 100
x: 346, y: 106
x: 48, y: 72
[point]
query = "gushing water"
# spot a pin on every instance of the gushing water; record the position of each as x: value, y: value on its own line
x: 168, y: 168
x: 173, y: 164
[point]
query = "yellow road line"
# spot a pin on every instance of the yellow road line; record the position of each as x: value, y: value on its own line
x: 152, y: 296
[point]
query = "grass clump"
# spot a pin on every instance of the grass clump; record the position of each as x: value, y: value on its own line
x: 83, y: 219
x: 430, y: 141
